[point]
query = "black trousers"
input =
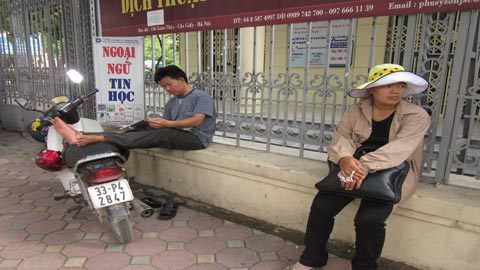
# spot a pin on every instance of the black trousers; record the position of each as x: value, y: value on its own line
x: 369, y: 228
x: 170, y: 138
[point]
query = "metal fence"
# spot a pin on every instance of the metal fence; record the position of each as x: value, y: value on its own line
x: 270, y: 91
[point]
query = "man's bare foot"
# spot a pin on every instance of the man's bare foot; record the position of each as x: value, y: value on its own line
x: 83, y: 140
x: 66, y: 131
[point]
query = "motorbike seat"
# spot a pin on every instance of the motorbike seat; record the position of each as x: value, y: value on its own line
x: 74, y: 153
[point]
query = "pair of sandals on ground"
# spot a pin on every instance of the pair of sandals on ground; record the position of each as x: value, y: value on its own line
x: 167, y: 210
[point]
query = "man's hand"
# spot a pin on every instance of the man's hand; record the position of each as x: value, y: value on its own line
x: 158, y: 122
x: 350, y: 166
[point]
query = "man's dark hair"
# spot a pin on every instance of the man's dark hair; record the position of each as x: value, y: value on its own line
x: 171, y: 71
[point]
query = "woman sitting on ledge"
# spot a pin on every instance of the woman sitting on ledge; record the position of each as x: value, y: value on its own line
x: 396, y: 129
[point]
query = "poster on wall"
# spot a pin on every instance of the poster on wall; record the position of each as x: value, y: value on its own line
x: 338, y: 53
x: 119, y: 77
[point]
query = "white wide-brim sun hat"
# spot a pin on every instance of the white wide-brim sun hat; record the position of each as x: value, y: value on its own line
x: 386, y: 74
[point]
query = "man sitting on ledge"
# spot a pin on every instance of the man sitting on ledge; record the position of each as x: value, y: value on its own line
x: 188, y: 122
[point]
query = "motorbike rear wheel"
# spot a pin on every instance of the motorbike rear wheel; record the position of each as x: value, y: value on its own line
x: 121, y: 224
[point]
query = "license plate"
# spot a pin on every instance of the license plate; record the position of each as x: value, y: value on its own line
x: 110, y: 193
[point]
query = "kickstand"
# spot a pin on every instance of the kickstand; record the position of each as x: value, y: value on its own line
x: 77, y: 199
x: 76, y: 208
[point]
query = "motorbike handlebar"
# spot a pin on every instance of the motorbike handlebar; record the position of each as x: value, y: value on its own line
x: 83, y: 98
x: 43, y: 124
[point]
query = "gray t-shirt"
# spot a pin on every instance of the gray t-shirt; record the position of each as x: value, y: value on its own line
x: 197, y: 101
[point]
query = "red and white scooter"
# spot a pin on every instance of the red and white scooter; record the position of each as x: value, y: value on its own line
x: 93, y: 176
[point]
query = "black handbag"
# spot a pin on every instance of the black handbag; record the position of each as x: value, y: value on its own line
x: 383, y: 185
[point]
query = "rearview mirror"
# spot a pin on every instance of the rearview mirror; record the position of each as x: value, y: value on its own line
x: 74, y: 76
x: 25, y: 104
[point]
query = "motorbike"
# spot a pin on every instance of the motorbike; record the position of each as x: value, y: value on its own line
x: 93, y: 176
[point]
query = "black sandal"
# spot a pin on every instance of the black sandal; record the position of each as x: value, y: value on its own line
x: 168, y: 211
x: 152, y: 202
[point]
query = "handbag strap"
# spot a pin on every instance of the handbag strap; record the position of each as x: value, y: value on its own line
x: 364, y: 149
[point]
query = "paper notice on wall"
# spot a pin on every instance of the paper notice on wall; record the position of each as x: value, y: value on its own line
x: 338, y: 49
x: 155, y: 18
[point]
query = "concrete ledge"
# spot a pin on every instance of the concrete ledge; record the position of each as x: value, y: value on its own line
x: 438, y: 228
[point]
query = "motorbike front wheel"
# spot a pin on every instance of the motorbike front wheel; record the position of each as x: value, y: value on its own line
x: 119, y: 218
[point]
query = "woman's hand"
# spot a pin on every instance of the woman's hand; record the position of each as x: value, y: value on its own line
x: 353, y: 168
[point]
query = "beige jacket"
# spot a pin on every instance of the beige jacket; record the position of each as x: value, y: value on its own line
x: 409, y: 125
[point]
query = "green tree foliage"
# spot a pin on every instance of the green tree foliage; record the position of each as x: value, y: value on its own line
x: 157, y: 49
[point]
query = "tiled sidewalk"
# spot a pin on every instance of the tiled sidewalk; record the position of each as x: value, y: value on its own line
x: 36, y: 232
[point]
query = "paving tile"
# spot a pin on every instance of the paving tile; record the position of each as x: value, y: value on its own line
x: 38, y: 194
x: 138, y: 267
x: 150, y: 235
x: 35, y: 237
x: 207, y: 266
x: 54, y: 248
x: 206, y: 245
x: 40, y: 209
x: 63, y: 237
x: 8, y: 237
x: 179, y: 224
x: 30, y: 218
x: 237, y: 257
x: 206, y: 258
x: 9, y: 264
x: 16, y: 209
x: 269, y: 265
x: 257, y: 232
x: 235, y: 244
x: 4, y: 193
x: 7, y: 217
x: 290, y: 253
x: 264, y: 243
x: 94, y: 227
x: 205, y: 222
x: 153, y: 225
x: 115, y: 248
x: 42, y: 262
x: 46, y: 226
x: 5, y: 225
x: 4, y: 161
x: 84, y: 248
x: 46, y: 202
x: 109, y: 237
x: 107, y: 261
x: 22, y: 250
x: 92, y: 236
x: 14, y: 182
x: 17, y: 226
x: 145, y: 247
x: 178, y: 234
x: 186, y: 214
x: 73, y: 226
x: 9, y: 201
x: 24, y: 189
x: 140, y: 260
x: 56, y: 217
x: 233, y: 231
x: 268, y: 256
x: 174, y: 259
x: 205, y: 233
x: 75, y: 262
x: 175, y: 246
